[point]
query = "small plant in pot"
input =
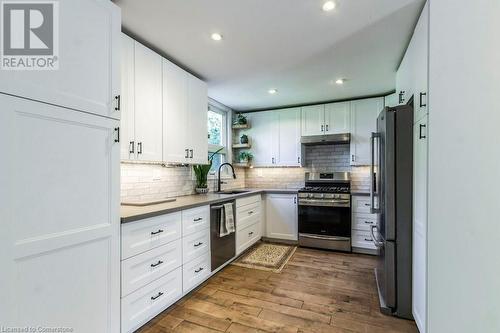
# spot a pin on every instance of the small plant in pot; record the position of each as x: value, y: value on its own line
x: 244, y: 139
x: 240, y: 119
x: 245, y: 157
x: 201, y: 172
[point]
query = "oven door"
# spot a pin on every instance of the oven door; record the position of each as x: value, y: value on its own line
x: 325, y: 227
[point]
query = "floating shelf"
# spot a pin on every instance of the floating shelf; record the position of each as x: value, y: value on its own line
x: 245, y: 126
x: 241, y: 165
x: 241, y: 146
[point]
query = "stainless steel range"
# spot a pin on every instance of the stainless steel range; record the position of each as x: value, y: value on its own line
x: 325, y: 211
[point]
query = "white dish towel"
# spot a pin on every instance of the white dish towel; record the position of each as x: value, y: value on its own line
x: 226, y: 220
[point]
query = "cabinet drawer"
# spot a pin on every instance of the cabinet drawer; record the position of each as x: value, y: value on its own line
x: 248, y: 200
x: 247, y: 237
x: 143, y: 235
x: 247, y: 215
x: 363, y: 221
x: 145, y: 303
x: 195, y: 245
x: 150, y: 265
x: 363, y: 239
x: 196, y: 271
x: 195, y: 219
x: 361, y: 204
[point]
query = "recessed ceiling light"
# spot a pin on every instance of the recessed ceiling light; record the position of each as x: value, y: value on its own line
x: 272, y: 91
x: 216, y: 36
x: 340, y: 81
x: 329, y: 5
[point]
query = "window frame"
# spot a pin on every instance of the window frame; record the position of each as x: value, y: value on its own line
x: 226, y: 136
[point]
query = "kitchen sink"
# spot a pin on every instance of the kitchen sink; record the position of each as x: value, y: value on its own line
x: 233, y: 192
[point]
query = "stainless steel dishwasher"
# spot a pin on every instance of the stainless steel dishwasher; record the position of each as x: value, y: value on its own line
x: 223, y: 248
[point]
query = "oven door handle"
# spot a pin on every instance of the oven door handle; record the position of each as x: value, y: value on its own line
x: 337, y: 238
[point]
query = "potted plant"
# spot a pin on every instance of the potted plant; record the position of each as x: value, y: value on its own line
x: 240, y: 119
x: 201, y: 172
x: 245, y: 157
x: 244, y: 139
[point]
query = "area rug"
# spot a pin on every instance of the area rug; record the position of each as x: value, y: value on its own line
x: 266, y: 257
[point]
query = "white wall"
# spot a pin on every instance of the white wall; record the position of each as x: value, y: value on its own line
x: 464, y: 166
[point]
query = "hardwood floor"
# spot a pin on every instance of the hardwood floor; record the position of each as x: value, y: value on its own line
x: 317, y: 291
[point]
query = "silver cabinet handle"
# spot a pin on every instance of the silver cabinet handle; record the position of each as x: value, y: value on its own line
x: 298, y: 160
x: 369, y: 222
x: 352, y: 158
x: 250, y: 212
x: 187, y: 153
x: 327, y: 127
x: 132, y: 147
x: 198, y: 244
x: 117, y: 130
x: 190, y: 153
x: 198, y: 270
x: 273, y: 160
x: 139, y: 148
x: 157, y: 232
x: 322, y: 128
x: 157, y: 264
x: 198, y: 219
x: 118, y: 103
x: 250, y: 233
x: 368, y: 240
x: 157, y: 296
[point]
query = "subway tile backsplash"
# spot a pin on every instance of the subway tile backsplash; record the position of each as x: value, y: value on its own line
x: 144, y: 182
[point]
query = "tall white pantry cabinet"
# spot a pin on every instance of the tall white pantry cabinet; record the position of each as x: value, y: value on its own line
x: 59, y: 207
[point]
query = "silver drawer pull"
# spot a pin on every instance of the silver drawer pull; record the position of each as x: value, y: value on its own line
x: 368, y: 239
x: 250, y: 233
x: 250, y: 212
x: 199, y: 243
x: 198, y: 219
x: 157, y: 264
x: 153, y: 298
x: 369, y: 222
x: 156, y: 232
x: 367, y: 204
x: 198, y: 270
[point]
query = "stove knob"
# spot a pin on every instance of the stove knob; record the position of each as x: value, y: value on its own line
x: 310, y: 195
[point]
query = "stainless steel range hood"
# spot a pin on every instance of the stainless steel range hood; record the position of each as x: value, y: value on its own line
x: 329, y: 139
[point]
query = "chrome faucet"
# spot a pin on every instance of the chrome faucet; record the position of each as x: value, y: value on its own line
x: 219, y: 182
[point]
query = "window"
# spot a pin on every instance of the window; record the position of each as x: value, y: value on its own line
x: 218, y: 136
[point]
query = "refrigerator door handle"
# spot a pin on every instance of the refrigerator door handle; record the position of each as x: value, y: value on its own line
x: 373, y: 210
x: 378, y: 244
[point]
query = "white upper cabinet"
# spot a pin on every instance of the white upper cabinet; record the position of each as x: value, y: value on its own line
x: 313, y: 120
x: 127, y: 127
x: 148, y: 104
x: 286, y: 139
x: 197, y: 129
x: 281, y: 216
x: 261, y: 136
x: 420, y: 77
x: 88, y: 78
x: 411, y: 77
x: 337, y: 118
x: 364, y: 115
x: 175, y: 114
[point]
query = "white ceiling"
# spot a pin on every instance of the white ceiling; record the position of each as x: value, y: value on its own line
x: 290, y: 45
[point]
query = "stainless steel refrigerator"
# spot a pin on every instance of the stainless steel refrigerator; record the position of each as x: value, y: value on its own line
x: 391, y: 195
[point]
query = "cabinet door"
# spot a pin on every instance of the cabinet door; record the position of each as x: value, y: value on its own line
x: 148, y: 104
x: 60, y: 218
x: 337, y: 118
x: 127, y: 128
x: 286, y: 140
x: 88, y: 78
x: 420, y: 64
x: 261, y: 136
x: 364, y: 115
x: 281, y: 216
x: 313, y: 120
x: 175, y: 113
x: 197, y: 121
x: 420, y: 223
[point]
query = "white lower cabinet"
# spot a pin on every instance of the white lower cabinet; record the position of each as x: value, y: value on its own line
x: 145, y: 303
x: 195, y: 272
x: 361, y: 221
x: 195, y: 245
x: 149, y: 266
x: 281, y: 216
x: 248, y: 222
